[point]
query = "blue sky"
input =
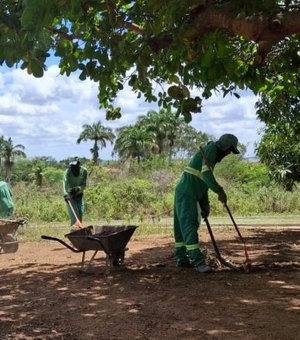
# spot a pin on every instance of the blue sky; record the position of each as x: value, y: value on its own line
x: 46, y: 114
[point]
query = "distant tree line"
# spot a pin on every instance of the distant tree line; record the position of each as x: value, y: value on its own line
x: 157, y: 133
x: 163, y: 134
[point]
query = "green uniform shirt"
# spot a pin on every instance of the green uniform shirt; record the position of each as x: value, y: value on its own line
x: 198, y: 177
x: 6, y: 201
x: 70, y: 181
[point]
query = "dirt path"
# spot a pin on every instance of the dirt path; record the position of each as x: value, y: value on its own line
x: 43, y: 295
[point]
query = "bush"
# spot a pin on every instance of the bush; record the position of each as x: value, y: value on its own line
x: 117, y: 193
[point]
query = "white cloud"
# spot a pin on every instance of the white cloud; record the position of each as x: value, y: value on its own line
x: 46, y: 115
x: 230, y: 115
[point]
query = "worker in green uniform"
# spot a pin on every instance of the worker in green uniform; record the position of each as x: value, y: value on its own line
x: 191, y: 200
x: 7, y: 206
x: 74, y: 183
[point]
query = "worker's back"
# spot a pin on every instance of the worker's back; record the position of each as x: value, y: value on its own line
x: 7, y: 206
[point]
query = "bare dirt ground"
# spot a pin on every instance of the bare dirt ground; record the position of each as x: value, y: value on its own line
x: 43, y: 295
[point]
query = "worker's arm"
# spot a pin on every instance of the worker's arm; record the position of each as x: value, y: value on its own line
x: 203, y: 201
x: 66, y: 183
x: 210, y: 153
x: 84, y: 178
x: 204, y: 205
x: 79, y: 189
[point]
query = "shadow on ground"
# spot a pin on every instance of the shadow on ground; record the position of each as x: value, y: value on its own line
x: 45, y: 296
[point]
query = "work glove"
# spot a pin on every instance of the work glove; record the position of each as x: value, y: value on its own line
x: 75, y: 191
x: 205, y: 210
x: 222, y: 197
x: 78, y: 190
x: 67, y: 198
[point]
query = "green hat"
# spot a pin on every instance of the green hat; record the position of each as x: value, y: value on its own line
x: 228, y: 142
x: 75, y: 161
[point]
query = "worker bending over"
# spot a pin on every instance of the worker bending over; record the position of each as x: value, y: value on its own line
x: 192, y: 202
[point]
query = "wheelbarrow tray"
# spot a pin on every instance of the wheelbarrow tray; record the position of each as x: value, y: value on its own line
x: 110, y: 239
x: 8, y: 237
x: 10, y: 226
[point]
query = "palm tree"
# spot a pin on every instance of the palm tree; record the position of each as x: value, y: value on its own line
x: 38, y: 174
x: 166, y: 126
x: 97, y: 133
x: 134, y: 142
x: 9, y: 152
x: 155, y: 122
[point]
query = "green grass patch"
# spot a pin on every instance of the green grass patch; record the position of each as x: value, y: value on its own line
x: 163, y: 227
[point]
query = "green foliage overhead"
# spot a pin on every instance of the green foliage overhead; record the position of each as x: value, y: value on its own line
x: 280, y: 150
x: 279, y: 147
x: 211, y: 45
x: 163, y: 49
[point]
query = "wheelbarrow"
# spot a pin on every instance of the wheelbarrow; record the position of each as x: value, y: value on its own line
x: 110, y: 239
x: 8, y: 234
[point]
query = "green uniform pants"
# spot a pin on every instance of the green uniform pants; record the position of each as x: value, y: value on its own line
x: 186, y: 223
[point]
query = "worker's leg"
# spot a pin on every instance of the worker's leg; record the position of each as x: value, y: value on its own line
x: 80, y: 209
x: 182, y: 259
x: 6, y: 213
x: 187, y: 215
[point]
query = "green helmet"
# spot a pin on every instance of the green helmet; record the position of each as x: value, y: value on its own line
x: 75, y: 161
x: 228, y: 142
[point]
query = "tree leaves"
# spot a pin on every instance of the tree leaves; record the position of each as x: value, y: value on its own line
x: 113, y: 113
x: 211, y: 46
x: 36, y: 68
x: 178, y: 92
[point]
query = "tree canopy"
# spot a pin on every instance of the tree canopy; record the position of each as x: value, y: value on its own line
x: 206, y: 44
x: 161, y: 49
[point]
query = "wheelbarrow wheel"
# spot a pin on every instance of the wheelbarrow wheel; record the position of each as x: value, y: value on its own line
x: 10, y: 244
x: 115, y: 260
x: 118, y: 259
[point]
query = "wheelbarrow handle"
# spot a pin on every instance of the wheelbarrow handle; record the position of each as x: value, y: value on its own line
x: 45, y: 237
x: 21, y: 221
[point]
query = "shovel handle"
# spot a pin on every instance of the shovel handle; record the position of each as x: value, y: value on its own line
x: 218, y: 254
x: 78, y: 223
x: 212, y: 237
x: 238, y: 231
x: 233, y: 221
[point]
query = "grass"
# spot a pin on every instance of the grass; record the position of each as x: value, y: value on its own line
x: 33, y: 232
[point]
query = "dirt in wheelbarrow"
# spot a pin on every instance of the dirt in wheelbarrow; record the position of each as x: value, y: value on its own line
x: 44, y: 295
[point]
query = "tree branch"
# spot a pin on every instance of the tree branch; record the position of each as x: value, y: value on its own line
x: 117, y: 18
x: 264, y: 30
x: 256, y: 28
x: 62, y: 34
